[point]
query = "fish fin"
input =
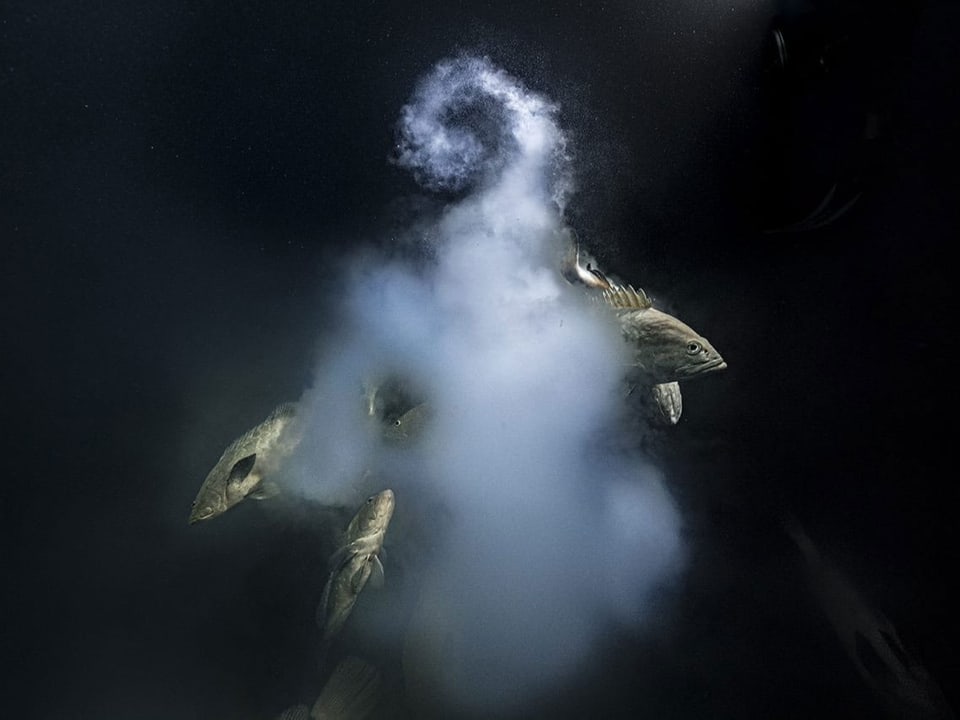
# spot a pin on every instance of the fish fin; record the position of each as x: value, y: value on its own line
x: 626, y: 298
x: 362, y: 575
x: 351, y: 693
x: 340, y: 556
x: 336, y: 558
x: 241, y: 468
x: 575, y: 272
x: 322, y: 605
x: 601, y: 280
x: 669, y: 402
x: 376, y: 574
x: 265, y: 490
x: 284, y: 410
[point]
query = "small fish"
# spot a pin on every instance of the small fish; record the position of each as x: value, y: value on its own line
x: 241, y: 470
x: 899, y: 680
x: 409, y: 426
x: 351, y: 693
x: 665, y: 349
x: 355, y: 562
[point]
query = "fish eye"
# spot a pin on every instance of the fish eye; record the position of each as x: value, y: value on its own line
x: 396, y: 423
x: 370, y: 500
x: 693, y: 347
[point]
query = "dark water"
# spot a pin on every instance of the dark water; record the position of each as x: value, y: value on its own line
x: 176, y: 178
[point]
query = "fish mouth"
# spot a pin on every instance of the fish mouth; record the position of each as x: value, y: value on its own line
x: 689, y: 371
x: 196, y: 517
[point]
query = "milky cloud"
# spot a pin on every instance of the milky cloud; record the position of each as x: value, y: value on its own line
x: 551, y: 533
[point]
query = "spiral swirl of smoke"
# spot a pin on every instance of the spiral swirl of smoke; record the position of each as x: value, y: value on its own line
x: 468, y: 120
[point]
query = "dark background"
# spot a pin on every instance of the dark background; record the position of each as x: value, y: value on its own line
x: 174, y: 180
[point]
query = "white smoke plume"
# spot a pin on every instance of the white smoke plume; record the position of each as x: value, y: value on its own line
x: 550, y: 533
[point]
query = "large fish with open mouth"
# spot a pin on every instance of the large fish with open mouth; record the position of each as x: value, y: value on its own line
x: 665, y: 349
x: 242, y: 470
x: 355, y: 562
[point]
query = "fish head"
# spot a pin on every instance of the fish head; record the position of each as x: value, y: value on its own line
x: 374, y: 515
x: 225, y: 486
x: 666, y: 349
x: 206, y: 505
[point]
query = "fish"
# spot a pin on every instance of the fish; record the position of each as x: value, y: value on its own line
x: 664, y: 348
x: 351, y: 693
x: 409, y: 426
x: 355, y: 562
x: 242, y: 469
x: 898, y: 679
